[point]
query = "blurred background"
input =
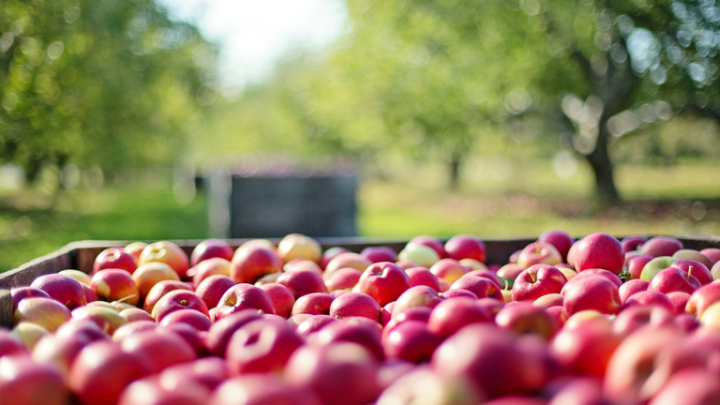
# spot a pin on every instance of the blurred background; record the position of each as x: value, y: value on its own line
x: 143, y: 120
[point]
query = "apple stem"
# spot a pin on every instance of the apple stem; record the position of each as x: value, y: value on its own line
x: 537, y: 249
x: 507, y: 285
x: 689, y: 272
x: 532, y: 276
x: 123, y: 299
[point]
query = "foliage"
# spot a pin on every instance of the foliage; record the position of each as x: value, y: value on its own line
x: 107, y: 83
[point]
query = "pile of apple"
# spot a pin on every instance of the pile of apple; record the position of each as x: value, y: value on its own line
x: 594, y: 321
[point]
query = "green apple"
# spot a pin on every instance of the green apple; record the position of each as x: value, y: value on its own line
x: 421, y: 255
x: 655, y: 266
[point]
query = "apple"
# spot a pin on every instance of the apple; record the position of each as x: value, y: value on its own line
x: 558, y: 313
x: 636, y: 264
x: 135, y: 314
x: 406, y: 264
x: 29, y: 334
x: 433, y: 243
x: 514, y: 257
x: 612, y: 277
x: 701, y: 299
x: 384, y: 281
x: 411, y: 341
x: 302, y: 282
x: 379, y: 254
x: 160, y: 350
x: 651, y: 298
x: 481, y: 287
x: 147, y: 275
x: 595, y: 292
x: 313, y: 304
x: 59, y: 352
x: 302, y: 264
x: 599, y: 251
x: 419, y: 296
x: 632, y: 243
x: 449, y: 270
x: 585, y: 349
x: 221, y: 331
x: 267, y: 279
x: 20, y: 293
x: 115, y: 258
x: 491, y: 358
x: 661, y: 246
x: 314, y: 324
x: 296, y: 246
x: 360, y: 330
x: 631, y: 287
x: 539, y: 253
x: 209, y: 249
x: 77, y: 275
x: 679, y: 300
x: 260, y: 347
x: 339, y: 374
x: 25, y: 382
x: 282, y: 298
x: 421, y: 385
x: 689, y: 386
x: 638, y: 316
x: 61, y: 288
x: 710, y: 316
x: 695, y: 268
x: 115, y: 285
x: 459, y: 293
x: 347, y: 259
x: 211, y: 289
x: 44, y: 312
x: 160, y: 289
x: 251, y: 263
x: 693, y: 255
x: 562, y: 241
x: 712, y: 253
x: 465, y: 247
x: 135, y: 249
x: 476, y: 265
x: 196, y: 319
x: 549, y: 300
x: 209, y: 372
x: 526, y: 318
x: 450, y: 316
x: 422, y: 276
x: 177, y: 300
x: 329, y: 254
x: 355, y: 304
x: 244, y: 296
x: 536, y: 281
x: 10, y: 344
x: 345, y: 278
x: 261, y: 389
x: 587, y: 316
x: 673, y: 279
x: 156, y: 390
x: 98, y: 360
x: 655, y: 266
x: 209, y: 267
x: 420, y: 314
x: 107, y: 319
x: 421, y: 255
x: 715, y: 271
x: 510, y: 271
x: 168, y: 253
x: 132, y: 328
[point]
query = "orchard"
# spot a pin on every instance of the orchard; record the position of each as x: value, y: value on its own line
x: 588, y: 322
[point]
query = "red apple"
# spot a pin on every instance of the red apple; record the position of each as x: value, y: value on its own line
x: 561, y: 240
x: 61, y: 288
x: 168, y: 253
x: 636, y: 264
x: 465, y: 247
x: 355, y: 304
x: 691, y: 254
x: 178, y: 300
x: 342, y: 279
x: 526, y: 318
x: 115, y: 258
x: 115, y: 285
x: 585, y: 349
x: 222, y: 330
x: 510, y: 271
x: 430, y: 242
x: 419, y: 296
x: 631, y: 287
x: 420, y: 385
x: 44, y: 312
x: 679, y: 300
x: 282, y: 298
x: 132, y: 328
x: 10, y: 344
x: 212, y: 289
x: 296, y: 246
x: 536, y: 281
x: 302, y: 282
x: 420, y: 314
x: 314, y: 324
x: 160, y: 350
x: 689, y: 387
x: 90, y: 370
x: 251, y: 263
x: 330, y: 254
x: 673, y: 279
x: 385, y: 282
x: 261, y: 389
x: 450, y: 316
x: 549, y: 301
x: 481, y: 287
x: 339, y: 374
x: 379, y: 254
x: 694, y: 268
x: 632, y: 243
x: 539, y: 253
x: 261, y: 346
x: 107, y: 319
x: 155, y: 390
x: 449, y: 270
x: 347, y: 259
x: 661, y: 246
x: 209, y: 267
x: 490, y: 275
x: 712, y: 253
x: 702, y: 299
x: 24, y: 382
x: 209, y: 249
x: 244, y: 296
x: 411, y: 341
x: 59, y: 352
x: 20, y: 293
x: 313, y: 304
x: 196, y: 319
x: 406, y: 264
x: 160, y: 289
x: 653, y: 298
x: 459, y: 293
x: 595, y: 272
x: 422, y: 276
x: 599, y: 251
x: 638, y: 316
x: 595, y: 292
x: 135, y: 249
x: 209, y: 372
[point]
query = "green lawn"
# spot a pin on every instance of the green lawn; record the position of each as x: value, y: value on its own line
x: 526, y: 202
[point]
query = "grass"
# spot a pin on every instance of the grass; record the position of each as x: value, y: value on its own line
x: 494, y: 200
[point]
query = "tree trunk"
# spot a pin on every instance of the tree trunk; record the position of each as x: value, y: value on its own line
x: 599, y: 160
x: 455, y: 163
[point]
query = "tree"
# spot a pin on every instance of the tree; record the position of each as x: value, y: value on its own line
x: 108, y: 83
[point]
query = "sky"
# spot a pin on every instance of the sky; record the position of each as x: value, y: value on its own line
x: 253, y: 35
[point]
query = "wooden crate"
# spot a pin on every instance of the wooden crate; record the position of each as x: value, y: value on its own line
x: 81, y: 255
